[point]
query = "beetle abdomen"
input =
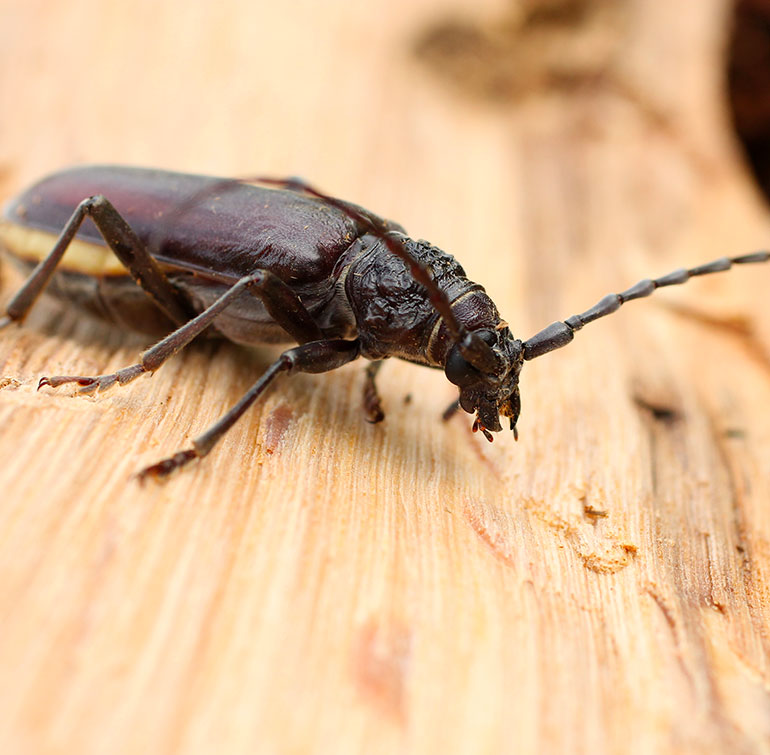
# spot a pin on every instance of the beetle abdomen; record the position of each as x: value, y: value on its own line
x: 31, y: 245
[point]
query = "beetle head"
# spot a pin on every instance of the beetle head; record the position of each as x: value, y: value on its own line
x: 485, y: 366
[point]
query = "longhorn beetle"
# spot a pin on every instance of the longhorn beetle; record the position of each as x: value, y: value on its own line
x: 273, y: 263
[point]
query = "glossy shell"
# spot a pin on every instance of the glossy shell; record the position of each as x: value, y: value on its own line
x: 205, y: 232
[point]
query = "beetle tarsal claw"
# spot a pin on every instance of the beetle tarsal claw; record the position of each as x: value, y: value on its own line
x: 57, y: 380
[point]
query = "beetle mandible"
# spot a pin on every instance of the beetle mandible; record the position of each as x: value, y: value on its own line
x: 273, y: 263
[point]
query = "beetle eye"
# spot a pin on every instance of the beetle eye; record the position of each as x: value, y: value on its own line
x: 459, y: 371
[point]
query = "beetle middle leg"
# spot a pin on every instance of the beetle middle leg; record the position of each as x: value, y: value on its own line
x: 314, y: 357
x: 126, y: 246
x: 372, y: 402
x: 280, y: 301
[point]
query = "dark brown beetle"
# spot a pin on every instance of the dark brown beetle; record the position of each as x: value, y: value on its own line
x: 253, y: 264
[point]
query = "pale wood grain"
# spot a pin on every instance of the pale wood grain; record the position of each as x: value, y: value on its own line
x: 323, y: 585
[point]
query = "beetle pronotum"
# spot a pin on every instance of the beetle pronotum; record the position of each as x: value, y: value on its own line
x: 273, y: 263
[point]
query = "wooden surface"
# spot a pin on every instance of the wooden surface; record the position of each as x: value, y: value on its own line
x: 323, y: 585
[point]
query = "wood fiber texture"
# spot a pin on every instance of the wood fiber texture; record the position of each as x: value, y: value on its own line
x: 322, y: 585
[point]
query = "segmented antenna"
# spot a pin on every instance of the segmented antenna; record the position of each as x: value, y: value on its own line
x: 559, y: 334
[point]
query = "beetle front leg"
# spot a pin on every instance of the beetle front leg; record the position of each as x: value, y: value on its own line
x: 451, y: 410
x: 318, y: 356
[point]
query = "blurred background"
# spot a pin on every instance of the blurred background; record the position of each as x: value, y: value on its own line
x: 748, y: 85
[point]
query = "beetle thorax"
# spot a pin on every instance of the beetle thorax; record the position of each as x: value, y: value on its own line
x: 393, y: 312
x: 396, y: 318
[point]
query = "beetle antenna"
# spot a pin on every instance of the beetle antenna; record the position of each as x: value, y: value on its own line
x: 559, y: 334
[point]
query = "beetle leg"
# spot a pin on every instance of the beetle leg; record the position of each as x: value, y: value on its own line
x: 372, y: 403
x: 294, y: 318
x: 451, y: 410
x: 284, y: 306
x: 156, y: 355
x: 126, y: 246
x: 317, y: 356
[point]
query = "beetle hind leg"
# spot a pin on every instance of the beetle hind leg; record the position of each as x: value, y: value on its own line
x: 98, y: 383
x: 155, y: 356
x: 281, y: 302
x: 125, y: 245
